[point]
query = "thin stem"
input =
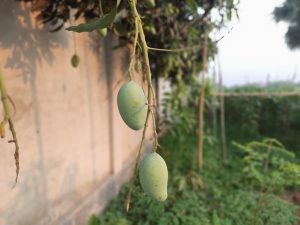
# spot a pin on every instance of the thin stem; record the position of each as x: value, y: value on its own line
x: 150, y: 96
x: 132, y: 60
x: 7, y: 118
x: 186, y: 49
x: 151, y: 93
x: 146, y: 60
x: 192, y: 48
x: 127, y: 204
x: 74, y: 41
x: 74, y: 37
x: 155, y: 143
x: 100, y: 8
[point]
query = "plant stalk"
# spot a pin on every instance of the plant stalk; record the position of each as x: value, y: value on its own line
x: 7, y: 118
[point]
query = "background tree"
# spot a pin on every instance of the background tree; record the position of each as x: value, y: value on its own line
x: 289, y: 12
x: 168, y: 24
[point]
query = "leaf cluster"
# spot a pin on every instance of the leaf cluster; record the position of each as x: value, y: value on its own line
x: 168, y: 24
x: 181, y: 106
x: 268, y: 165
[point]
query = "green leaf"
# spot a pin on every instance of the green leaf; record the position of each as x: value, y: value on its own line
x: 96, y: 24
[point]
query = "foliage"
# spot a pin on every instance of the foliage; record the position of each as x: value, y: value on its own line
x: 290, y: 12
x: 250, y: 208
x: 181, y: 106
x: 269, y: 165
x: 219, y: 196
x: 249, y: 118
x: 230, y: 195
x: 168, y: 24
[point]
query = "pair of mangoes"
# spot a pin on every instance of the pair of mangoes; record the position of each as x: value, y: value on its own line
x: 153, y: 172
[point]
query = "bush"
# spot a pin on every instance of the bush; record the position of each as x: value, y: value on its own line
x: 249, y: 118
x: 250, y: 208
x: 269, y: 165
x: 218, y: 196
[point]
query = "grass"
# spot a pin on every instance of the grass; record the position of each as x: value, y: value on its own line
x: 218, y: 196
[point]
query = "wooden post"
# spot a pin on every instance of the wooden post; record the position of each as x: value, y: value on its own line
x: 222, y: 116
x: 201, y: 101
x: 214, y: 102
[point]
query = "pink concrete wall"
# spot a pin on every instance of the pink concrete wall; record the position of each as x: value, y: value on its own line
x: 74, y: 146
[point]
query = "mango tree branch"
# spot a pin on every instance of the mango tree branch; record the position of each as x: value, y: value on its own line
x: 150, y: 95
x: 8, y: 119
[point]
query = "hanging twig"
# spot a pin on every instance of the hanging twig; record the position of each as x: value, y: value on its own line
x: 150, y: 95
x: 8, y: 119
x: 133, y: 55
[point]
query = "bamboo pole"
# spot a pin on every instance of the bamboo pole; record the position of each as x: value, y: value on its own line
x: 214, y: 103
x: 201, y: 103
x: 222, y: 116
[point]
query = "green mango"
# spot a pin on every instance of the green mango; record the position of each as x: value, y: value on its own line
x: 102, y: 32
x: 75, y: 60
x: 153, y: 174
x: 132, y: 105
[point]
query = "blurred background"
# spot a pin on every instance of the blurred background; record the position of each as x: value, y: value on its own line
x: 255, y: 50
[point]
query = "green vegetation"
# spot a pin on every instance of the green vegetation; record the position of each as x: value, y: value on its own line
x: 251, y: 189
x: 251, y: 118
x: 267, y: 165
x: 220, y: 196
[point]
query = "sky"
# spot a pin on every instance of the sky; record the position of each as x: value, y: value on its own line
x: 255, y: 48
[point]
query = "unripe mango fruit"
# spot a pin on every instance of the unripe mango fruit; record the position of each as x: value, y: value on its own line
x: 153, y: 174
x: 132, y: 105
x: 75, y: 60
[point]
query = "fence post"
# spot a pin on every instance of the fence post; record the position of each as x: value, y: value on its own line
x: 222, y: 115
x: 201, y: 105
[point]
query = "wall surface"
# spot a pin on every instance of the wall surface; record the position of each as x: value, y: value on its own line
x: 75, y: 151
